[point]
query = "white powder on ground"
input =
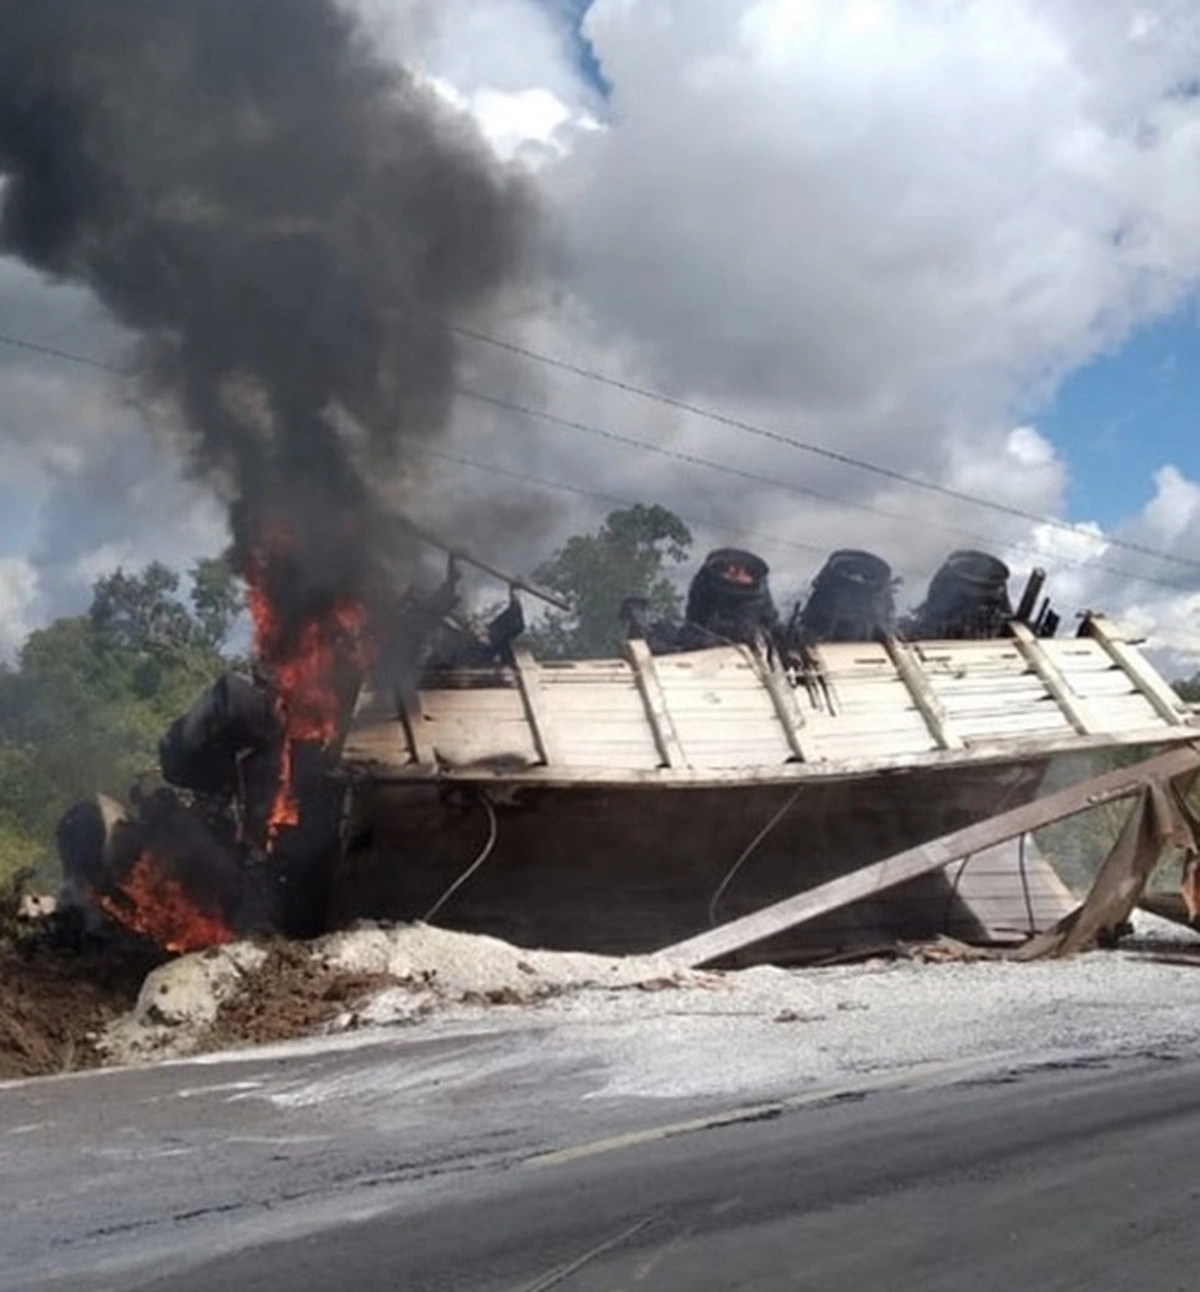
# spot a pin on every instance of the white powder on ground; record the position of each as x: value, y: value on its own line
x: 656, y: 1034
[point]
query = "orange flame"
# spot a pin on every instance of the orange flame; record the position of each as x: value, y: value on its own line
x: 154, y: 904
x: 309, y: 673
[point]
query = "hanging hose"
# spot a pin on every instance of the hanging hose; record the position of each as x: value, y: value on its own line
x: 484, y: 854
x: 953, y: 893
x: 748, y: 851
x: 1025, y: 884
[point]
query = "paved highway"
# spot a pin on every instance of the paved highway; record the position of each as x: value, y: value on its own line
x: 485, y: 1162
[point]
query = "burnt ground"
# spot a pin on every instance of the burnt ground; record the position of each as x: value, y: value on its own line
x: 55, y: 1001
x: 290, y: 995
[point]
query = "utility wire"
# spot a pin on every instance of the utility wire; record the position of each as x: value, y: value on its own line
x: 692, y: 459
x: 777, y: 437
x: 50, y: 352
x: 597, y: 495
x: 561, y: 486
x: 67, y: 356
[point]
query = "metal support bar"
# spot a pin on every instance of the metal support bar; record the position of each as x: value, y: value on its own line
x: 513, y: 581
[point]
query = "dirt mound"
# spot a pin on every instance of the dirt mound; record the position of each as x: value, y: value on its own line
x: 290, y: 994
x: 55, y: 1003
x: 58, y: 1005
x: 62, y: 1009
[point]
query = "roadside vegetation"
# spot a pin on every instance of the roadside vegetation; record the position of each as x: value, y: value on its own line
x: 85, y: 702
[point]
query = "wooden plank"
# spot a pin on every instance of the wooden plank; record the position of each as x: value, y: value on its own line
x: 1162, y: 697
x: 665, y: 736
x: 913, y: 862
x: 923, y: 696
x: 783, y: 700
x: 991, y: 887
x: 827, y: 768
x: 1005, y: 726
x: 416, y: 728
x: 1052, y: 679
x: 529, y: 682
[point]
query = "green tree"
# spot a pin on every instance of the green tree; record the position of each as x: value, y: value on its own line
x: 91, y: 695
x: 142, y: 612
x: 217, y: 600
x: 1189, y: 689
x: 630, y: 555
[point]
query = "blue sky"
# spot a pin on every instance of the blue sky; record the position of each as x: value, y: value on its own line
x: 574, y: 11
x: 18, y: 521
x: 1128, y: 413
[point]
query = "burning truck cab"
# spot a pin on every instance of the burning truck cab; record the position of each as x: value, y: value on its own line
x: 237, y: 832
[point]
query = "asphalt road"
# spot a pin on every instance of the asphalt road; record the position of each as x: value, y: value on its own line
x: 477, y: 1163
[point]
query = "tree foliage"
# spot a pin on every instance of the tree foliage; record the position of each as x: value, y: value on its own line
x: 89, y: 696
x: 630, y: 555
x: 1189, y: 690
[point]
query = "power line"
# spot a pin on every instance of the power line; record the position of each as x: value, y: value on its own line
x: 67, y: 356
x: 680, y: 455
x: 34, y: 347
x: 597, y: 495
x: 50, y: 352
x: 777, y: 437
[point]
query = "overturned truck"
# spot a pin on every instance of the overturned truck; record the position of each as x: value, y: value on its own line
x: 620, y: 805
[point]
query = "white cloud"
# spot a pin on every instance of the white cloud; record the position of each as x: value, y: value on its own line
x: 921, y: 205
x: 1175, y: 507
x: 530, y: 125
x: 19, y: 593
x: 103, y: 561
x: 888, y: 228
x: 1169, y: 616
x: 884, y: 226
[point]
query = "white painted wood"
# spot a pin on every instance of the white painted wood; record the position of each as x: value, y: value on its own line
x: 541, y: 723
x: 377, y: 741
x: 997, y: 753
x: 783, y: 701
x: 1052, y: 677
x: 472, y: 726
x: 657, y: 713
x: 717, y: 713
x: 926, y: 700
x: 1160, y: 694
x: 989, y: 885
x: 415, y: 723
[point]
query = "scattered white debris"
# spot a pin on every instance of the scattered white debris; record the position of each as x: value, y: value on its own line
x: 662, y: 1033
x: 435, y: 971
x: 179, y: 1000
x: 771, y: 1030
x: 36, y: 906
x: 1150, y: 930
x: 457, y: 965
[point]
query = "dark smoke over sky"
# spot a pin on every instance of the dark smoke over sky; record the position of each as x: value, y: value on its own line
x: 286, y: 221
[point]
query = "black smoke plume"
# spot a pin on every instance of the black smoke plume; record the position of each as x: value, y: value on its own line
x: 286, y: 220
